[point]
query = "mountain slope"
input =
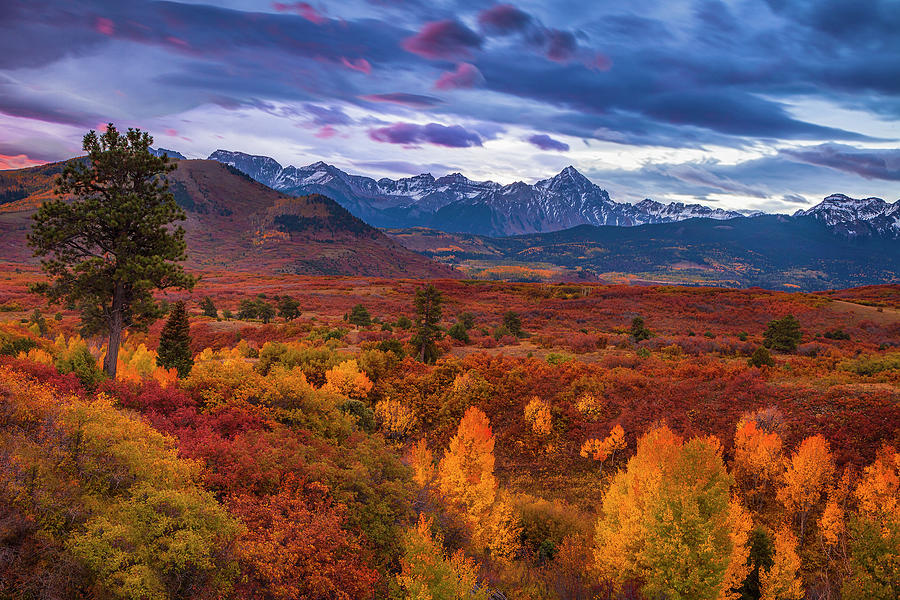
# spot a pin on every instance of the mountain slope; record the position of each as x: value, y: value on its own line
x: 234, y: 222
x: 456, y: 203
x: 773, y: 251
x: 854, y: 217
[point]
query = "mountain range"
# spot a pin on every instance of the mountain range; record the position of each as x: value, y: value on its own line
x: 236, y: 223
x: 455, y: 203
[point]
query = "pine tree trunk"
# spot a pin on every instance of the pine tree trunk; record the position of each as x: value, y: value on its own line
x: 115, y: 332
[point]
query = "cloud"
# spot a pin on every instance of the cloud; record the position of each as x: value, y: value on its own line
x: 867, y: 163
x: 326, y: 115
x: 794, y: 199
x: 698, y: 174
x: 465, y: 76
x: 408, y: 134
x: 360, y: 64
x: 19, y: 161
x: 403, y: 99
x: 545, y: 142
x: 443, y: 39
x: 503, y: 19
x: 304, y: 9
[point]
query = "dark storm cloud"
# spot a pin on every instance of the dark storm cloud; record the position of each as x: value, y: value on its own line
x: 870, y: 164
x: 682, y: 74
x: 503, y: 19
x: 545, y: 142
x: 444, y: 39
x: 409, y: 134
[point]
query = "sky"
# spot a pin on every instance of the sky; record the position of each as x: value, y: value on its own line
x: 742, y: 104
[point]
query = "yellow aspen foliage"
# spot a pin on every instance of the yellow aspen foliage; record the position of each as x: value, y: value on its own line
x: 422, y: 463
x: 466, y: 471
x: 669, y: 521
x: 427, y: 574
x: 37, y: 355
x: 781, y: 581
x: 878, y: 493
x: 590, y: 405
x: 595, y: 449
x: 599, y: 450
x: 740, y: 522
x: 758, y: 460
x: 875, y: 532
x: 808, y: 475
x: 499, y: 530
x: 347, y: 379
x: 833, y: 522
x: 394, y: 418
x: 537, y: 414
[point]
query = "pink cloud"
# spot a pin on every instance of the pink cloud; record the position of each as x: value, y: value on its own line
x: 171, y: 132
x: 465, y: 76
x: 503, y: 19
x: 104, y: 26
x: 443, y: 39
x: 177, y: 42
x: 360, y: 64
x: 304, y: 9
x: 600, y: 62
x: 403, y: 99
x: 18, y: 161
x: 326, y: 132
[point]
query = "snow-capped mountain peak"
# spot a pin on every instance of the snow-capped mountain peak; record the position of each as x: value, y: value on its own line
x: 855, y: 217
x: 454, y: 202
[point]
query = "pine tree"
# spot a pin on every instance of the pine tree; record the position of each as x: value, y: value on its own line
x: 175, y: 342
x: 428, y: 314
x: 782, y: 334
x: 359, y: 316
x: 208, y: 308
x: 107, y: 239
x: 288, y: 308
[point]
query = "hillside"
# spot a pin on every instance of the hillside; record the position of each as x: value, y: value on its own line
x: 235, y: 222
x: 771, y: 251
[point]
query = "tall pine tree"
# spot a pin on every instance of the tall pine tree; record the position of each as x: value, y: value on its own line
x: 108, y: 240
x: 428, y: 314
x: 175, y: 342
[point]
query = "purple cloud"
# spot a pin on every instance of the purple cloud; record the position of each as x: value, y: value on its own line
x: 561, y: 45
x: 410, y: 100
x: 869, y: 163
x: 443, y: 39
x: 408, y: 134
x: 465, y: 76
x: 304, y: 9
x: 545, y: 142
x: 503, y: 19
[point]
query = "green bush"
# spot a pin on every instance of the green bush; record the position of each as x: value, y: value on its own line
x: 760, y: 358
x: 782, y: 334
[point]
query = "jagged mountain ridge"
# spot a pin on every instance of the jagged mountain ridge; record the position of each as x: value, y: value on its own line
x: 456, y: 203
x: 857, y: 217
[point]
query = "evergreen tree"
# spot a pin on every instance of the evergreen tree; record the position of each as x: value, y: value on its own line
x: 458, y: 332
x: 265, y: 311
x: 761, y: 357
x: 513, y: 323
x: 782, y: 334
x: 359, y: 316
x: 175, y: 342
x: 288, y: 308
x: 107, y: 239
x: 428, y: 314
x: 639, y: 331
x: 247, y: 309
x: 208, y: 308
